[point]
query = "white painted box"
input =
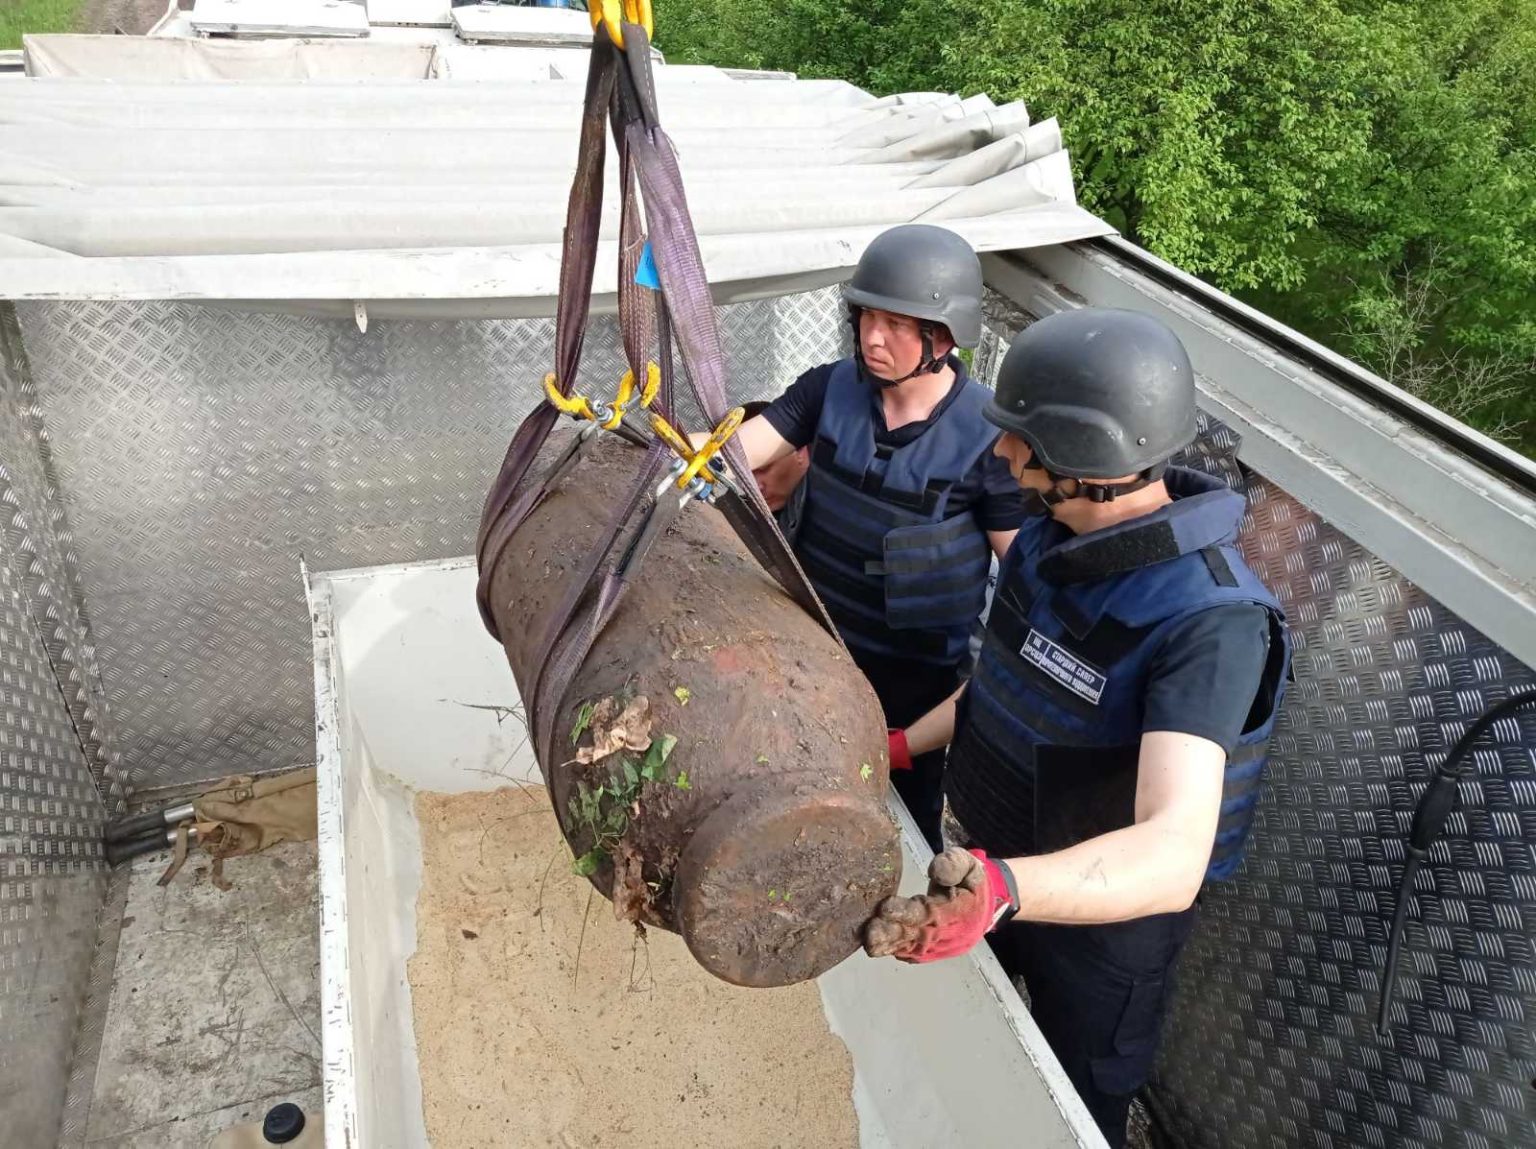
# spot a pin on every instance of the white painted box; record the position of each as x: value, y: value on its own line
x: 944, y: 1054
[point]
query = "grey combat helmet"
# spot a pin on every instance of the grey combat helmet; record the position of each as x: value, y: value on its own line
x: 1097, y: 393
x: 923, y: 271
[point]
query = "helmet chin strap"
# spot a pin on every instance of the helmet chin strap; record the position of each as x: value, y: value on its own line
x: 1056, y: 493
x: 928, y: 365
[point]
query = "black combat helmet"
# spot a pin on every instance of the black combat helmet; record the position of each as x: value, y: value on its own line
x: 1097, y: 393
x: 926, y: 272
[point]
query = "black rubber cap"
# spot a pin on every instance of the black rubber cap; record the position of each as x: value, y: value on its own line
x: 283, y: 1124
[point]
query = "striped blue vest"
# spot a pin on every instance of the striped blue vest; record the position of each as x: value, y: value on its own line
x: 901, y: 572
x: 1048, y: 733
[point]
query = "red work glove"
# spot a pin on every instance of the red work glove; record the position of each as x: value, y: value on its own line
x: 968, y: 895
x: 900, y: 755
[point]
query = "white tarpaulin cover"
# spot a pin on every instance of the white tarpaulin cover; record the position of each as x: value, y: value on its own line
x: 335, y: 190
x: 164, y: 59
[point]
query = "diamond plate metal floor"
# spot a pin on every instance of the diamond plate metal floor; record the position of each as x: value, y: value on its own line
x: 215, y: 1008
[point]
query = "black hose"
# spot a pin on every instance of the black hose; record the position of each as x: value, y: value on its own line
x: 135, y: 827
x: 141, y: 824
x: 1428, y: 821
x: 119, y: 852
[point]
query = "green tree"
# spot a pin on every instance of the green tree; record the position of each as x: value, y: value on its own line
x: 1324, y: 159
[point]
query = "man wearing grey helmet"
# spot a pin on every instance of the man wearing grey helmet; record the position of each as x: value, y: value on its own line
x: 905, y: 503
x: 1107, y: 756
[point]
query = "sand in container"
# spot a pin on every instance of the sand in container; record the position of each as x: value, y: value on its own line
x: 541, y: 1020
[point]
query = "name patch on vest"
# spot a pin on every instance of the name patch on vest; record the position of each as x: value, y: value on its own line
x: 1081, y: 678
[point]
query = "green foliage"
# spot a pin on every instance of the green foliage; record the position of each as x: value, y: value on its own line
x: 583, y: 720
x: 603, y: 811
x: 656, y: 756
x: 23, y: 17
x: 1320, y: 158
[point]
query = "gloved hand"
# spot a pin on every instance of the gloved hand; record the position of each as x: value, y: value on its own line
x: 968, y: 895
x: 897, y: 751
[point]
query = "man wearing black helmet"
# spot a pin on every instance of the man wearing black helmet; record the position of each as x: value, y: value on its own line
x: 905, y: 503
x: 1106, y: 758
